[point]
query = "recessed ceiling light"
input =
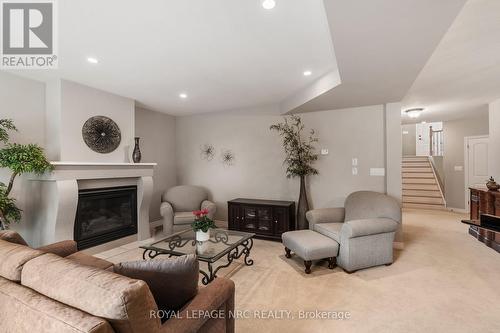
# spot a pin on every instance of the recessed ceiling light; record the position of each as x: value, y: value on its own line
x: 92, y: 60
x: 414, y: 113
x: 268, y: 4
x: 424, y: 122
x: 307, y: 73
x: 183, y: 95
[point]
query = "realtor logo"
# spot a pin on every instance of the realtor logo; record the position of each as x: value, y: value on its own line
x: 28, y: 34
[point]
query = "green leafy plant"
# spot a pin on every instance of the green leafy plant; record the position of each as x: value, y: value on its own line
x: 20, y: 159
x: 202, y: 222
x: 299, y: 151
x: 299, y: 159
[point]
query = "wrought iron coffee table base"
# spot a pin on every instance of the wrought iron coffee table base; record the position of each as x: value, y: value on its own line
x: 237, y: 252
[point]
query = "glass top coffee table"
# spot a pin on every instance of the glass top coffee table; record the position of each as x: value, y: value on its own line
x: 227, y: 244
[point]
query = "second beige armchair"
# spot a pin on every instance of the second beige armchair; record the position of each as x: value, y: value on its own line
x: 178, y: 204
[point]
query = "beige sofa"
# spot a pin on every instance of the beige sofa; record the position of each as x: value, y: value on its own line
x: 43, y: 292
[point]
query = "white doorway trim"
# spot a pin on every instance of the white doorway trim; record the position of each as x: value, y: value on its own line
x: 466, y: 167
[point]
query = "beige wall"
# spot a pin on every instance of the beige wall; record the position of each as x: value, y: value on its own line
x: 454, y: 133
x: 393, y: 150
x: 70, y: 105
x: 258, y: 171
x: 157, y: 133
x: 409, y: 140
x: 23, y: 101
x: 494, y: 144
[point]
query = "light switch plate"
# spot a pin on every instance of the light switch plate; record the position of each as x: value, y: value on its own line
x: 354, y: 161
x: 459, y: 168
x: 377, y: 172
x: 354, y: 171
x: 324, y: 151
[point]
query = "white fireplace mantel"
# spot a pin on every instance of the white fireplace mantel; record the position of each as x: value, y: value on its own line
x: 55, y: 217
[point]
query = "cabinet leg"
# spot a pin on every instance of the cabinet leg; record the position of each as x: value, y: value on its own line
x: 308, y: 264
x: 332, y: 262
x: 287, y: 254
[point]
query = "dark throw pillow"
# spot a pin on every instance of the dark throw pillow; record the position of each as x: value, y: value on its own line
x: 173, y: 281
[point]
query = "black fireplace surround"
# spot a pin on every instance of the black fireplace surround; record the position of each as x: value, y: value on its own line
x: 105, y: 214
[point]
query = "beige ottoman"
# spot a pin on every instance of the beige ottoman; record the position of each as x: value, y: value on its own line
x: 310, y: 245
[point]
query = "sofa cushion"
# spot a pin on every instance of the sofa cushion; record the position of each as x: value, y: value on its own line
x: 173, y: 282
x: 183, y: 218
x: 22, y: 310
x: 13, y: 258
x: 125, y: 303
x: 331, y: 230
x: 367, y: 227
x: 12, y: 236
x: 88, y: 260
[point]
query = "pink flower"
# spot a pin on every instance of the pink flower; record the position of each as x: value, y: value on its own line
x: 204, y: 211
x: 197, y: 213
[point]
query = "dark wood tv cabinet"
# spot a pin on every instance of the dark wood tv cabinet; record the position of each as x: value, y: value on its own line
x: 482, y: 202
x: 267, y: 219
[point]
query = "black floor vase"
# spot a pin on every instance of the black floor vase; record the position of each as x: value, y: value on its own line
x: 303, y: 206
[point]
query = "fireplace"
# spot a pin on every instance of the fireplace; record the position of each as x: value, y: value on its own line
x: 104, y: 215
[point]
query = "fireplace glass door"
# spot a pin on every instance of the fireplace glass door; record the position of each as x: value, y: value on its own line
x: 105, y: 214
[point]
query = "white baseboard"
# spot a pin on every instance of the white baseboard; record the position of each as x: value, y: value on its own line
x: 156, y: 223
x: 398, y: 245
x: 458, y: 210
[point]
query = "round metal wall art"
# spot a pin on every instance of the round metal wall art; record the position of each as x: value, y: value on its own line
x: 207, y: 152
x: 101, y: 134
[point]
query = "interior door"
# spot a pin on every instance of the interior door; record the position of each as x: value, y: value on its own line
x: 476, y: 163
x: 423, y: 137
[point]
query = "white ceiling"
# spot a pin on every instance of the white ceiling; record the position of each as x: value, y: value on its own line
x: 381, y: 46
x: 463, y: 74
x: 231, y: 55
x: 224, y: 54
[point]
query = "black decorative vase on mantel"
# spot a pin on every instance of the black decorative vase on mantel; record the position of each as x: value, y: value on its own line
x: 302, y: 206
x: 136, y: 155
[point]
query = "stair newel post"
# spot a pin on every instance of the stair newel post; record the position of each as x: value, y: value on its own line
x: 430, y: 141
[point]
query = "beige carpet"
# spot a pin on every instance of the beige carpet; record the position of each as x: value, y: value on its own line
x: 443, y: 281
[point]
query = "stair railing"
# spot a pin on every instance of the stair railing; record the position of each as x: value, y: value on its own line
x: 436, y: 142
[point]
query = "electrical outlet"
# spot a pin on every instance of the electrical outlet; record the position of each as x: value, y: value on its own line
x: 354, y: 171
x: 324, y: 151
x: 377, y: 172
x: 354, y: 161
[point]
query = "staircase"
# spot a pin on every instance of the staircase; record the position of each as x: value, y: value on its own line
x: 420, y: 186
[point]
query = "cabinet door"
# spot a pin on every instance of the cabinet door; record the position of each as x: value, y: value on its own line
x: 474, y: 205
x: 281, y: 223
x: 234, y: 217
x: 248, y: 219
x: 265, y: 223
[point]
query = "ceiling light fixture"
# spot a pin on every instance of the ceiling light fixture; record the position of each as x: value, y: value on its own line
x: 92, y: 60
x: 268, y: 4
x: 307, y: 73
x: 183, y: 95
x: 414, y: 113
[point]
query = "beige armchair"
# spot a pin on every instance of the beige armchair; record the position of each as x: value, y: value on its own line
x: 364, y: 228
x: 178, y: 205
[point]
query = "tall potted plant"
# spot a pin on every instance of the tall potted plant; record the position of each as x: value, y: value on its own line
x: 19, y: 159
x: 299, y: 158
